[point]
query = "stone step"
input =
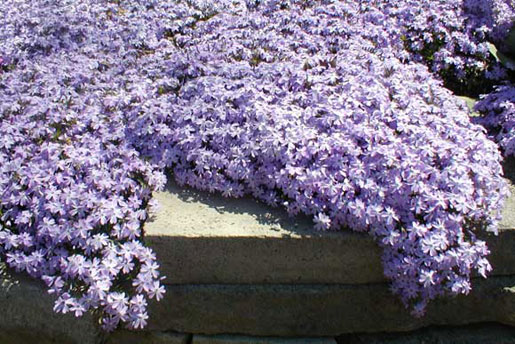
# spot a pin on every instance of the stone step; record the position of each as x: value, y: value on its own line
x: 203, y: 238
x: 473, y: 334
x: 268, y: 310
x: 321, y: 310
x: 224, y: 339
x: 27, y: 315
x: 235, y: 266
x: 146, y: 337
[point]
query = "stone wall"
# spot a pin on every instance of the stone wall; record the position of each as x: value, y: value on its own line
x: 240, y: 272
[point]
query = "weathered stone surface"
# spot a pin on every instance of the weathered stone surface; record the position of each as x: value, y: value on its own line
x: 27, y: 316
x: 145, y: 337
x: 502, y: 251
x: 224, y: 339
x: 502, y: 246
x: 508, y: 214
x: 320, y: 310
x: 474, y: 334
x: 244, y: 241
x: 203, y: 238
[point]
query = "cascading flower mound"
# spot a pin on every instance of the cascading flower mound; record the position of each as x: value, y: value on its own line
x: 74, y: 193
x: 315, y: 106
x: 498, y: 109
x: 452, y: 38
x: 331, y: 123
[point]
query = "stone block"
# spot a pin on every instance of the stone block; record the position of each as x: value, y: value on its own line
x: 27, y: 316
x: 225, y: 339
x: 244, y: 241
x: 473, y: 334
x: 145, y: 337
x: 321, y: 310
x: 203, y: 238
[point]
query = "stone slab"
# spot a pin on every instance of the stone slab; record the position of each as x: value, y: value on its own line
x: 27, y: 316
x: 202, y: 238
x: 473, y: 334
x: 225, y: 339
x: 145, y: 337
x: 320, y: 310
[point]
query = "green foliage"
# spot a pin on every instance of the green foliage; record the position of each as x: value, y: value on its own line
x: 505, y: 60
x: 471, y: 103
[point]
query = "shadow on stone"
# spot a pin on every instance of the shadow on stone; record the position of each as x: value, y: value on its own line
x: 27, y: 314
x: 509, y: 168
x: 264, y: 214
x: 491, y: 333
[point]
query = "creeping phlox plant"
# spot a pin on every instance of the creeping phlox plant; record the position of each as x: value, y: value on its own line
x: 453, y: 37
x: 295, y: 104
x: 74, y: 192
x: 471, y: 45
x: 316, y: 106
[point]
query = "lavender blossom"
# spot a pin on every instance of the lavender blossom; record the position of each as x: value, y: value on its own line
x: 452, y: 37
x: 498, y: 115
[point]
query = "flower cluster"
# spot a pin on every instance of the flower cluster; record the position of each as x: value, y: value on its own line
x: 452, y: 38
x: 496, y: 96
x: 498, y: 115
x: 74, y: 193
x: 316, y: 106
